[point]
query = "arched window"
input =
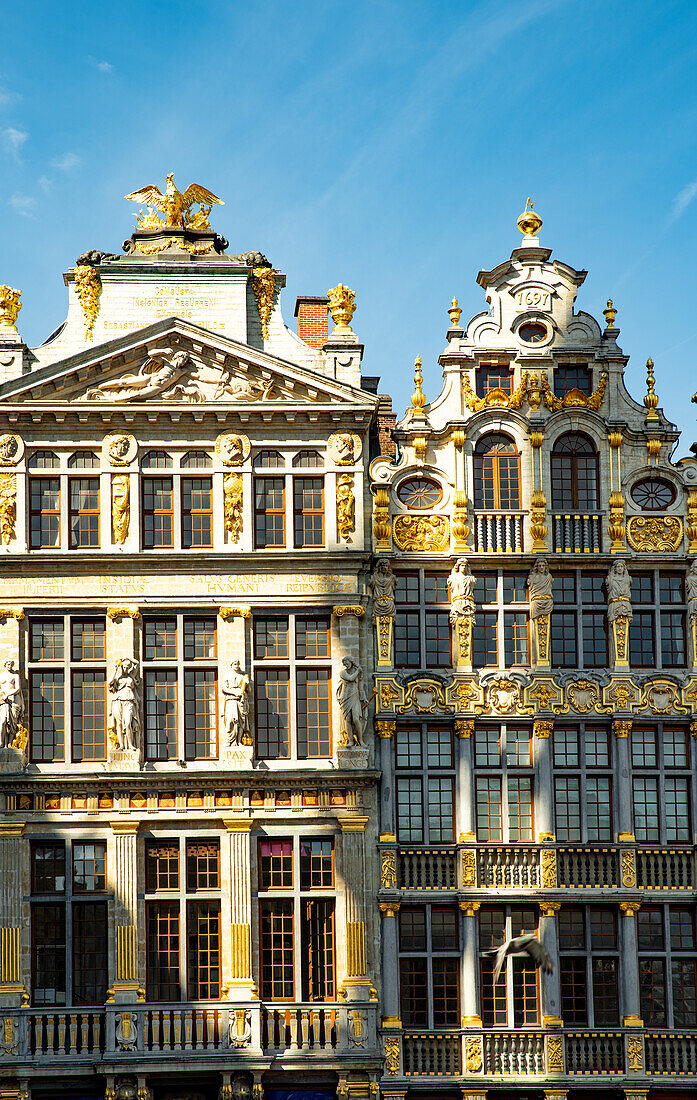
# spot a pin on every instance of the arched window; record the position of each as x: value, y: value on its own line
x: 157, y: 460
x: 196, y: 460
x: 308, y: 460
x: 269, y: 460
x: 497, y: 474
x: 44, y: 460
x: 83, y: 460
x: 575, y: 473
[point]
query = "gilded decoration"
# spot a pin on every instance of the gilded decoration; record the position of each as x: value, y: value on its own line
x: 654, y: 534
x: 10, y: 306
x: 461, y: 528
x: 388, y: 693
x: 425, y: 533
x: 628, y: 869
x: 174, y: 205
x: 88, y: 287
x: 651, y: 398
x: 388, y: 871
x: 621, y: 694
x: 575, y: 398
x: 424, y: 696
x: 469, y: 867
x: 264, y: 287
x: 609, y: 314
x: 12, y: 613
x: 454, y: 312
x: 232, y: 449
x: 345, y: 448
x: 502, y: 695
x: 496, y: 398
x: 392, y: 1055
x: 120, y: 507
x: 630, y: 908
x: 464, y: 727
x: 120, y: 448
x: 11, y: 449
x: 615, y: 527
x: 549, y: 869
x: 384, y: 728
x: 545, y: 694
x: 538, y: 527
x: 635, y: 1054
x: 542, y: 728
x: 661, y: 697
x: 345, y: 507
x: 383, y: 627
x: 114, y: 613
x: 555, y: 1053
x: 529, y: 222
x: 691, y: 526
x: 348, y: 609
x: 382, y: 527
x: 473, y: 1053
x: 465, y: 695
x: 232, y: 497
x: 342, y: 306
x: 549, y: 908
x: 8, y: 507
x: 620, y: 627
x: 621, y: 728
x: 470, y: 908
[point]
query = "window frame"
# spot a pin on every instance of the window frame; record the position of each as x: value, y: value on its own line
x: 422, y: 778
x: 503, y: 773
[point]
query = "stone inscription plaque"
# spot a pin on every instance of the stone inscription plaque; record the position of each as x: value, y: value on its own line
x: 204, y: 584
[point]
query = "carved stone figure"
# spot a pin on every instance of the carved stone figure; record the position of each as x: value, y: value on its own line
x: 619, y: 592
x: 540, y: 586
x: 345, y: 507
x: 250, y: 259
x: 353, y: 702
x: 11, y: 704
x: 119, y: 448
x: 243, y: 389
x: 691, y: 586
x: 9, y: 449
x: 232, y: 449
x: 345, y: 450
x: 120, y: 507
x: 461, y: 584
x: 157, y: 373
x: 8, y: 507
x: 382, y: 586
x: 124, y: 711
x: 236, y: 706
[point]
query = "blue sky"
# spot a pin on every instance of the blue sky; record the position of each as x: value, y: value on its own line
x: 386, y: 145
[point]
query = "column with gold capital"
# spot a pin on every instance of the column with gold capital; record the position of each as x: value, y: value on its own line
x: 238, y: 890
x: 11, y: 985
x: 123, y: 861
x: 353, y: 871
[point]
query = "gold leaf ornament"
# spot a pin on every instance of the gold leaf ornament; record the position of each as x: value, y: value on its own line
x: 232, y: 494
x: 421, y: 532
x: 10, y: 306
x: 264, y: 287
x: 88, y: 287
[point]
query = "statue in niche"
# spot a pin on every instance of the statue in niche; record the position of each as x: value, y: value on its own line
x: 156, y: 374
x: 11, y: 704
x: 382, y: 587
x: 540, y: 587
x: 124, y: 712
x: 353, y: 702
x: 619, y: 592
x: 461, y: 583
x: 691, y: 586
x: 236, y: 707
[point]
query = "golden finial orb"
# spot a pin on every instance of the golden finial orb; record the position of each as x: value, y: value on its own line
x: 455, y: 313
x: 610, y: 313
x: 529, y: 223
x: 651, y: 398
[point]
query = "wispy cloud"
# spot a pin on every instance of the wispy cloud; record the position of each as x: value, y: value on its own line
x: 66, y: 162
x: 23, y: 204
x: 5, y: 96
x: 13, y: 141
x: 101, y: 66
x: 45, y: 184
x: 683, y: 200
x: 679, y: 205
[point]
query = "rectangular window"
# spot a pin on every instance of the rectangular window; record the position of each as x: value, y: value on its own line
x: 158, y: 512
x: 563, y: 639
x: 47, y: 710
x: 275, y: 864
x: 308, y: 496
x: 493, y: 376
x: 89, y: 715
x: 410, y: 822
x: 200, y: 713
x: 161, y: 714
x: 313, y: 712
x: 316, y: 864
x: 317, y: 942
x: 203, y: 934
x: 567, y: 802
x: 572, y: 376
x: 84, y: 512
x: 652, y: 984
x: 595, y: 654
x: 161, y: 866
x: 272, y: 691
x: 485, y: 639
x: 673, y: 642
x: 197, y: 511
x: 44, y: 512
x: 163, y: 979
x: 574, y: 991
x: 519, y: 808
x: 89, y: 867
x: 89, y: 953
x: 48, y: 868
x: 646, y: 825
x: 269, y: 512
x: 515, y: 637
x: 662, y: 798
x: 48, y: 954
x: 488, y: 808
x: 642, y: 652
x: 277, y: 958
x: 202, y: 866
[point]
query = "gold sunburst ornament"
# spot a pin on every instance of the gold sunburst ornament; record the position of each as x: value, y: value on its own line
x: 175, y: 205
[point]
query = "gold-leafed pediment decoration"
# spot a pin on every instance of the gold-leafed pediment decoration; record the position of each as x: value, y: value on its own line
x: 424, y: 696
x: 575, y: 398
x: 496, y: 398
x: 421, y: 532
x: 654, y: 534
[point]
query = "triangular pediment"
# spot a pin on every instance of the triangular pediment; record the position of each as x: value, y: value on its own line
x: 173, y: 362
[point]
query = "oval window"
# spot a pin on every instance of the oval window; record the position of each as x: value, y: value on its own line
x: 532, y: 332
x: 653, y: 494
x: 419, y: 492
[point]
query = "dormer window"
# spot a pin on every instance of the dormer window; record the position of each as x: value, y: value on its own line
x: 494, y: 376
x: 573, y: 376
x: 533, y: 332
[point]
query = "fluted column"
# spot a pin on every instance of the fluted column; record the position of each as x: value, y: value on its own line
x: 390, y: 965
x: 353, y: 866
x: 124, y: 883
x: 544, y: 795
x: 551, y: 987
x: 631, y: 1001
x: 11, y: 911
x: 468, y: 964
x: 238, y: 893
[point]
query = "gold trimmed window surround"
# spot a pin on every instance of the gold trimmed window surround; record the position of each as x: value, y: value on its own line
x: 495, y: 398
x: 574, y: 398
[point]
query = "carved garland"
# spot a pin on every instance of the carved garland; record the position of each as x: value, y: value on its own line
x: 574, y: 398
x: 264, y: 287
x: 232, y: 496
x: 496, y: 398
x: 654, y: 534
x: 88, y: 287
x: 421, y: 532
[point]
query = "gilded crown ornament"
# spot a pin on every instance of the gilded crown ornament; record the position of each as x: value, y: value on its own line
x: 610, y: 313
x: 651, y: 398
x: 529, y: 223
x: 455, y: 314
x: 10, y: 306
x: 175, y: 205
x: 342, y: 306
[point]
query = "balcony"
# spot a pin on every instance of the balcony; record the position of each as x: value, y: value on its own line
x: 577, y: 532
x: 159, y: 1032
x: 498, y: 532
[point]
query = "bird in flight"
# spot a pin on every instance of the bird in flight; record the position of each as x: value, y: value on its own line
x: 175, y: 204
x: 522, y: 945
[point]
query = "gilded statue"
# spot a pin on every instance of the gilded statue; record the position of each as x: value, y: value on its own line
x: 232, y: 498
x: 691, y: 586
x: 353, y: 702
x: 175, y: 205
x: 120, y: 507
x: 461, y: 584
x: 157, y: 373
x: 540, y: 587
x: 8, y: 507
x: 382, y: 587
x: 11, y: 704
x: 345, y: 507
x: 124, y: 711
x: 619, y: 592
x: 236, y: 706
x: 10, y: 306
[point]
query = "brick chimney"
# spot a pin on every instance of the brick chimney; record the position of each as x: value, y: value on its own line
x: 386, y: 423
x: 313, y: 324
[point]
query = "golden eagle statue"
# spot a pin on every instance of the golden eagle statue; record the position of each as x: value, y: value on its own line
x: 175, y: 205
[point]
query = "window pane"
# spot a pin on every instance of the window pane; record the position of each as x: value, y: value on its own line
x: 519, y: 808
x: 682, y: 929
x: 484, y: 639
x: 571, y: 928
x: 163, y: 981
x: 650, y: 933
x: 518, y: 748
x: 269, y: 511
x: 413, y: 992
x: 199, y: 639
x: 410, y: 825
x: 642, y: 652
x: 44, y: 511
x: 202, y: 865
x: 567, y: 800
x: 646, y: 808
x: 444, y: 926
x: 311, y: 638
x: 439, y: 746
x: 48, y: 954
x: 412, y: 929
x: 563, y: 636
x: 160, y: 639
x: 88, y: 639
x: 653, y: 991
x: 515, y: 635
x: 441, y: 812
x: 565, y: 742
x: 318, y: 938
x: 599, y: 807
x: 275, y: 864
x: 603, y: 928
x: 446, y: 1000
x: 158, y: 513
x: 408, y: 747
x: 524, y: 992
x: 47, y: 722
x: 84, y: 512
x: 436, y: 588
x: 48, y: 868
x: 276, y: 925
x: 407, y: 640
x: 313, y: 712
x: 605, y: 995
x: 676, y: 748
x: 574, y: 993
x: 673, y: 647
x: 272, y: 690
x: 309, y: 511
x: 89, y: 867
x: 89, y: 714
x: 596, y: 743
x: 644, y: 748
x: 488, y: 798
x: 200, y: 713
x: 316, y: 864
x: 46, y: 639
x: 677, y: 803
x: 197, y: 511
x: 203, y: 934
x: 161, y: 714
x: 437, y: 639
x: 594, y: 639
x: 270, y: 639
x: 89, y: 953
x: 161, y: 865
x: 684, y: 992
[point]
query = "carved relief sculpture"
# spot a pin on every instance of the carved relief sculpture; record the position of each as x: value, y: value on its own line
x: 421, y: 532
x: 11, y: 705
x: 382, y: 587
x: 124, y: 707
x: 232, y: 496
x: 120, y: 449
x: 691, y: 592
x: 541, y: 603
x: 8, y: 507
x: 159, y: 371
x: 654, y: 534
x: 120, y: 507
x: 88, y: 286
x: 264, y: 287
x: 11, y: 448
x: 232, y: 449
x: 344, y: 447
x: 353, y: 703
x: 10, y: 306
x: 462, y: 611
x: 619, y: 608
x: 345, y: 507
x: 235, y: 714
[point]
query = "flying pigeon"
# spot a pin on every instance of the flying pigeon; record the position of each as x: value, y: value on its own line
x: 522, y: 945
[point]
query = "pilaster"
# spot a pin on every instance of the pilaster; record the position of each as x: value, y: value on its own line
x: 353, y: 865
x: 237, y: 897
x: 11, y: 984
x: 124, y: 882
